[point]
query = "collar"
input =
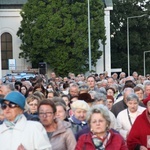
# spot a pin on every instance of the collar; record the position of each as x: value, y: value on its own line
x: 76, y: 121
x: 18, y: 126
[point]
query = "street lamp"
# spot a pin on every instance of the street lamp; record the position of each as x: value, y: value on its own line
x: 144, y: 60
x: 128, y: 50
x: 89, y: 35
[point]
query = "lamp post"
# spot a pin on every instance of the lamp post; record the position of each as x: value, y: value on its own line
x: 128, y: 49
x: 144, y: 60
x: 89, y: 35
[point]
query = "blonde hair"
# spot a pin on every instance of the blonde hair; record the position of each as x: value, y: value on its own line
x: 80, y: 104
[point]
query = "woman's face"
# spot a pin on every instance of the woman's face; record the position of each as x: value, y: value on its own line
x: 80, y: 114
x: 33, y: 106
x: 11, y: 113
x: 66, y: 100
x: 132, y: 105
x: 46, y: 115
x: 23, y: 90
x: 140, y: 94
x: 61, y: 113
x: 109, y: 103
x: 110, y: 92
x: 50, y: 88
x: 98, y: 124
x: 50, y: 95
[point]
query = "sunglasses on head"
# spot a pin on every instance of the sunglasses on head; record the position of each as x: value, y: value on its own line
x: 10, y: 105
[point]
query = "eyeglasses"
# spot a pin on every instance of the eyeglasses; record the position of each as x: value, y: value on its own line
x: 42, y: 114
x: 33, y: 104
x: 10, y: 105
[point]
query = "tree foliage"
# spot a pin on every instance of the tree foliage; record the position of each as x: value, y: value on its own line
x: 139, y: 33
x: 56, y: 32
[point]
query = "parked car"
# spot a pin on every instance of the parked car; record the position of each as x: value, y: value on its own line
x: 18, y: 76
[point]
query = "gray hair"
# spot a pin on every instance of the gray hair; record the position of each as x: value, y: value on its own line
x: 128, y: 89
x: 98, y: 96
x: 132, y: 97
x: 146, y: 83
x: 101, y: 109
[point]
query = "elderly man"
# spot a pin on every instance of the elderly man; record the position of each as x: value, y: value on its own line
x: 146, y: 88
x: 78, y: 120
x: 16, y: 133
x: 92, y: 83
x: 73, y: 90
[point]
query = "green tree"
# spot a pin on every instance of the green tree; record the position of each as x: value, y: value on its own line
x: 56, y: 32
x: 139, y: 33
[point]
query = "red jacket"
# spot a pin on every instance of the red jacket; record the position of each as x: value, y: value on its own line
x: 139, y: 133
x: 115, y: 142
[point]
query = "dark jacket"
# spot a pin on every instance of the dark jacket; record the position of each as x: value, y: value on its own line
x: 77, y: 125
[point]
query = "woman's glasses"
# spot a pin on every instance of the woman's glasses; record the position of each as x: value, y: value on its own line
x: 47, y: 114
x: 10, y: 105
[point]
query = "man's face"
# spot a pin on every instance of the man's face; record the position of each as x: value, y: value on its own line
x: 91, y: 82
x: 80, y: 114
x: 4, y: 90
x: 147, y: 90
x: 148, y: 106
x: 110, y: 81
x: 73, y: 91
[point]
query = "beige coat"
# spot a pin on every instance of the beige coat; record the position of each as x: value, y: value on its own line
x: 63, y: 138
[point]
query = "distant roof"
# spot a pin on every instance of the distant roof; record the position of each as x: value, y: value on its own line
x: 13, y: 2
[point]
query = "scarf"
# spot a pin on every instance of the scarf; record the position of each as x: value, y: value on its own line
x: 100, y: 143
x: 11, y: 124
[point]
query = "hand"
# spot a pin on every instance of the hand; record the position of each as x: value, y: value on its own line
x: 20, y: 147
x: 143, y: 148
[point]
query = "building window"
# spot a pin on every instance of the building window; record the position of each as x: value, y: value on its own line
x: 6, y: 49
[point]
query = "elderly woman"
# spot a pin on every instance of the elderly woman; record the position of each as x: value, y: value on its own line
x: 78, y: 119
x: 59, y: 132
x: 127, y: 117
x: 140, y: 93
x: 139, y: 135
x: 16, y: 133
x: 100, y: 137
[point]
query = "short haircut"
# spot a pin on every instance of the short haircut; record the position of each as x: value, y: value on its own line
x: 101, y: 110
x: 132, y: 97
x: 49, y: 103
x: 79, y: 104
x: 137, y: 88
x: 31, y: 98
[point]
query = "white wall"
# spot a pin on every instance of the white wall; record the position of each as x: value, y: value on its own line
x: 100, y: 63
x: 10, y: 22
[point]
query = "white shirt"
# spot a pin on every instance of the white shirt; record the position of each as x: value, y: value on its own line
x: 124, y: 121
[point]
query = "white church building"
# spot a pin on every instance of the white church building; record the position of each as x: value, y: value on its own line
x: 9, y: 42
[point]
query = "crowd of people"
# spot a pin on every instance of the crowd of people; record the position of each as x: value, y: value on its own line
x: 97, y: 112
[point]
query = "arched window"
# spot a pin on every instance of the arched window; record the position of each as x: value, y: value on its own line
x: 6, y: 49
